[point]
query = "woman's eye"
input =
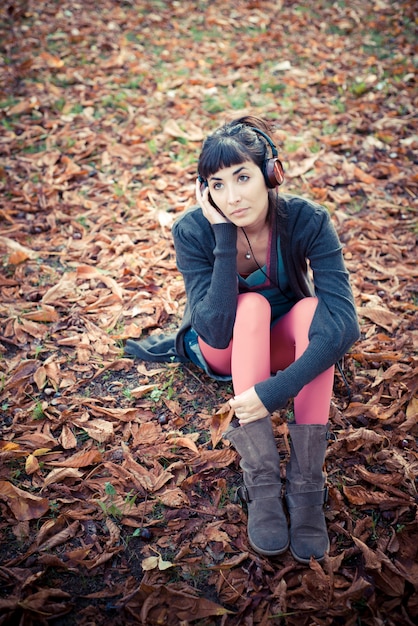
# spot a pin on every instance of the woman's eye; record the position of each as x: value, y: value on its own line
x: 243, y: 178
x: 217, y: 186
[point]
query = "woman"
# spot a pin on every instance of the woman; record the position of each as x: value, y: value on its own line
x: 269, y: 304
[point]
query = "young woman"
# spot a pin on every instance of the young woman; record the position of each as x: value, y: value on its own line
x: 269, y: 304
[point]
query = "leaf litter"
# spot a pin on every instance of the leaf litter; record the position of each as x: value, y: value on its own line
x: 116, y: 484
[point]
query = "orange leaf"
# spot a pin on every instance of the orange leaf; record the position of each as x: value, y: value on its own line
x: 51, y: 60
x: 18, y: 256
x: 363, y: 176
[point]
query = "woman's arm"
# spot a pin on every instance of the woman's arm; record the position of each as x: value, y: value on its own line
x: 335, y: 324
x: 206, y: 257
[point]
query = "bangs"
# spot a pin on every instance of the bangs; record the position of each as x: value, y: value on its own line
x: 220, y: 153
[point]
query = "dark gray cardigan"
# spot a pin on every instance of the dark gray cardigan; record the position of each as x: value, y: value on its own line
x: 206, y: 257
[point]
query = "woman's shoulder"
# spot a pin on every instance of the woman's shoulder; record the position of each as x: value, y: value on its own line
x: 190, y: 224
x: 192, y: 216
x: 293, y: 205
x: 296, y: 211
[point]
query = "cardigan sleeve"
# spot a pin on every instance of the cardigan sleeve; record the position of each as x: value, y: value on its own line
x: 335, y: 325
x: 206, y: 258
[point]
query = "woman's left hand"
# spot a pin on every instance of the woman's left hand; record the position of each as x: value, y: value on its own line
x: 248, y: 407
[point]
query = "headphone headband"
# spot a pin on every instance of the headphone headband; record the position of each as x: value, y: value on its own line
x: 268, y: 139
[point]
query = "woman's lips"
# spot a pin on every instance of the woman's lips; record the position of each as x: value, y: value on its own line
x: 239, y: 212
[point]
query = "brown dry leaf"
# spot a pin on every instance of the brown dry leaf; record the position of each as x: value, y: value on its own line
x: 360, y: 496
x: 23, y: 505
x: 58, y: 475
x: 44, y: 314
x: 191, y: 132
x: 148, y: 433
x: 185, y: 442
x: 32, y: 464
x: 174, y: 406
x: 232, y: 562
x: 67, y: 438
x: 22, y: 374
x: 372, y: 559
x: 125, y: 415
x: 142, y: 390
x: 220, y: 422
x: 412, y: 409
x: 80, y: 459
x: 304, y: 166
x: 65, y: 287
x: 114, y: 533
x: 214, y: 533
x: 47, y: 603
x: 93, y: 273
x: 363, y: 437
x: 21, y: 252
x: 171, y: 604
x: 381, y: 316
x: 40, y: 377
x: 98, y: 429
x: 59, y: 538
x: 174, y: 498
x: 212, y: 459
x: 102, y: 558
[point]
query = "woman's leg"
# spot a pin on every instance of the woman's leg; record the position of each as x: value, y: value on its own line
x: 267, y: 528
x: 289, y: 339
x: 247, y: 357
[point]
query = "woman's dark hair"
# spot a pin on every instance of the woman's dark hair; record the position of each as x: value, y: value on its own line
x: 234, y: 143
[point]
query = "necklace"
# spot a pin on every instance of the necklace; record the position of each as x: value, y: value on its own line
x: 250, y: 252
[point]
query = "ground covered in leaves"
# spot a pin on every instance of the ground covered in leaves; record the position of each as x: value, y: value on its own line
x: 116, y: 487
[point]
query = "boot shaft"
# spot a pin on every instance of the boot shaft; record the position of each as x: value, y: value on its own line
x: 305, y: 492
x: 308, y: 444
x: 255, y: 443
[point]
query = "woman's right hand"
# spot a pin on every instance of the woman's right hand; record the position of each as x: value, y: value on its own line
x: 213, y: 215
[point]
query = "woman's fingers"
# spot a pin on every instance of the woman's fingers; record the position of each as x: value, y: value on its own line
x: 209, y: 211
x: 248, y: 407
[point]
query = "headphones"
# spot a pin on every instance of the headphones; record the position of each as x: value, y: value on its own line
x: 272, y: 168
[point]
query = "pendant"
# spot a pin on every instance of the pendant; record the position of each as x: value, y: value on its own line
x: 248, y: 255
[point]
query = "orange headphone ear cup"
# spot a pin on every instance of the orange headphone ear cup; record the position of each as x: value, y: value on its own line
x: 273, y: 173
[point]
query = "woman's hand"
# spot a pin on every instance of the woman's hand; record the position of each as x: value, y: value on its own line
x: 212, y: 215
x: 248, y: 407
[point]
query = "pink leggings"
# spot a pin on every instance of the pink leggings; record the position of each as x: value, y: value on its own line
x: 258, y: 349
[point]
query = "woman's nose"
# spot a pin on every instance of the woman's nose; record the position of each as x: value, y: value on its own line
x: 234, y: 195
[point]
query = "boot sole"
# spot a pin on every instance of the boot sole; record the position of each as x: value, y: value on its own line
x: 300, y: 559
x: 267, y: 552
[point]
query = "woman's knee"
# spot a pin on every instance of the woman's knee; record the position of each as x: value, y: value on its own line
x: 253, y: 309
x: 304, y: 309
x: 252, y: 303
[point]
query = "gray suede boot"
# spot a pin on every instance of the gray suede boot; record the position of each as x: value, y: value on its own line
x: 262, y: 490
x: 306, y: 493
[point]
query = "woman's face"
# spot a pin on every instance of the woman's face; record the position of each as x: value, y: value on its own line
x: 240, y: 192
